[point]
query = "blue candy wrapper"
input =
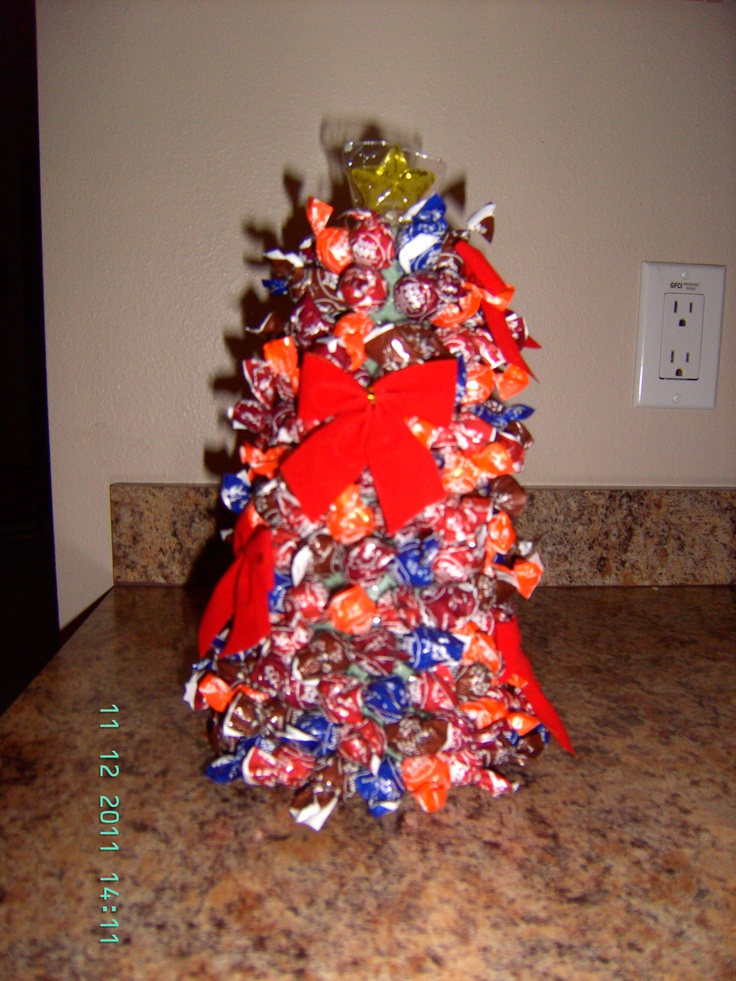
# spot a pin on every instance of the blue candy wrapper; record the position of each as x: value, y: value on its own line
x: 386, y: 698
x: 383, y: 790
x: 427, y: 647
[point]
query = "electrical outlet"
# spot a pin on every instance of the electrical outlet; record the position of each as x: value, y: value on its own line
x: 682, y: 336
x: 679, y: 339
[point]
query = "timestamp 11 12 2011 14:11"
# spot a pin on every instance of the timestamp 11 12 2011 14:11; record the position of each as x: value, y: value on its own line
x: 109, y: 818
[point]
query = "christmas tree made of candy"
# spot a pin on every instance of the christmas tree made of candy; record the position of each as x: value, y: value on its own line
x: 364, y: 639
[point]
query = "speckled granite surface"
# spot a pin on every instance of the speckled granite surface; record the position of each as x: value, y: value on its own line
x: 618, y: 864
x: 160, y: 532
x: 165, y: 533
x: 642, y: 537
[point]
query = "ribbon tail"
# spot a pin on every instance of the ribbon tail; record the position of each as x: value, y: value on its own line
x: 404, y: 472
x: 508, y: 639
x: 503, y: 337
x: 241, y: 596
x: 219, y: 608
x: 251, y: 622
x: 484, y: 273
x: 487, y: 277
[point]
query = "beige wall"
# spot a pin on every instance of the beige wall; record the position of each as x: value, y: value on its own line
x: 604, y: 130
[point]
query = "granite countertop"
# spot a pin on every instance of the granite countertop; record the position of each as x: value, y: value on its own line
x: 618, y: 863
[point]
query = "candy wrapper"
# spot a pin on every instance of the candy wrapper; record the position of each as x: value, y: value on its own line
x: 365, y: 639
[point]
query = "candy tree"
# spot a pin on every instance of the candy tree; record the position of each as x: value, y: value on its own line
x: 364, y: 640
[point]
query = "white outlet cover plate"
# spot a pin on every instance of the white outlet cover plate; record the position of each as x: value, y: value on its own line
x: 657, y: 279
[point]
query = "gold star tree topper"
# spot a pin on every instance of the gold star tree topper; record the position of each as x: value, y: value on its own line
x: 387, y: 183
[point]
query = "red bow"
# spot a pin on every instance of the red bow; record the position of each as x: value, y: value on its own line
x: 242, y: 593
x: 508, y: 640
x: 368, y: 430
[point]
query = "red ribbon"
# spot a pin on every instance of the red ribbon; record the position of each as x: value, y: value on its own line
x: 508, y: 640
x: 242, y: 593
x: 367, y: 429
x: 486, y: 276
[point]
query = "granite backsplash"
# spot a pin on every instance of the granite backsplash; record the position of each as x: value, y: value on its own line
x: 169, y: 534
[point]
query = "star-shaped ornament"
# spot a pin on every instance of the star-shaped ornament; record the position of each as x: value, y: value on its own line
x: 391, y: 186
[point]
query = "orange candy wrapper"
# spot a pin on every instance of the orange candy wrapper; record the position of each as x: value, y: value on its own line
x: 283, y: 358
x: 352, y: 329
x: 264, y: 463
x: 332, y: 243
x: 501, y: 534
x: 480, y: 384
x: 352, y: 611
x: 349, y: 519
x: 456, y: 313
x: 528, y: 572
x: 511, y: 381
x: 480, y: 648
x: 427, y: 778
x: 216, y: 692
x: 493, y: 460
